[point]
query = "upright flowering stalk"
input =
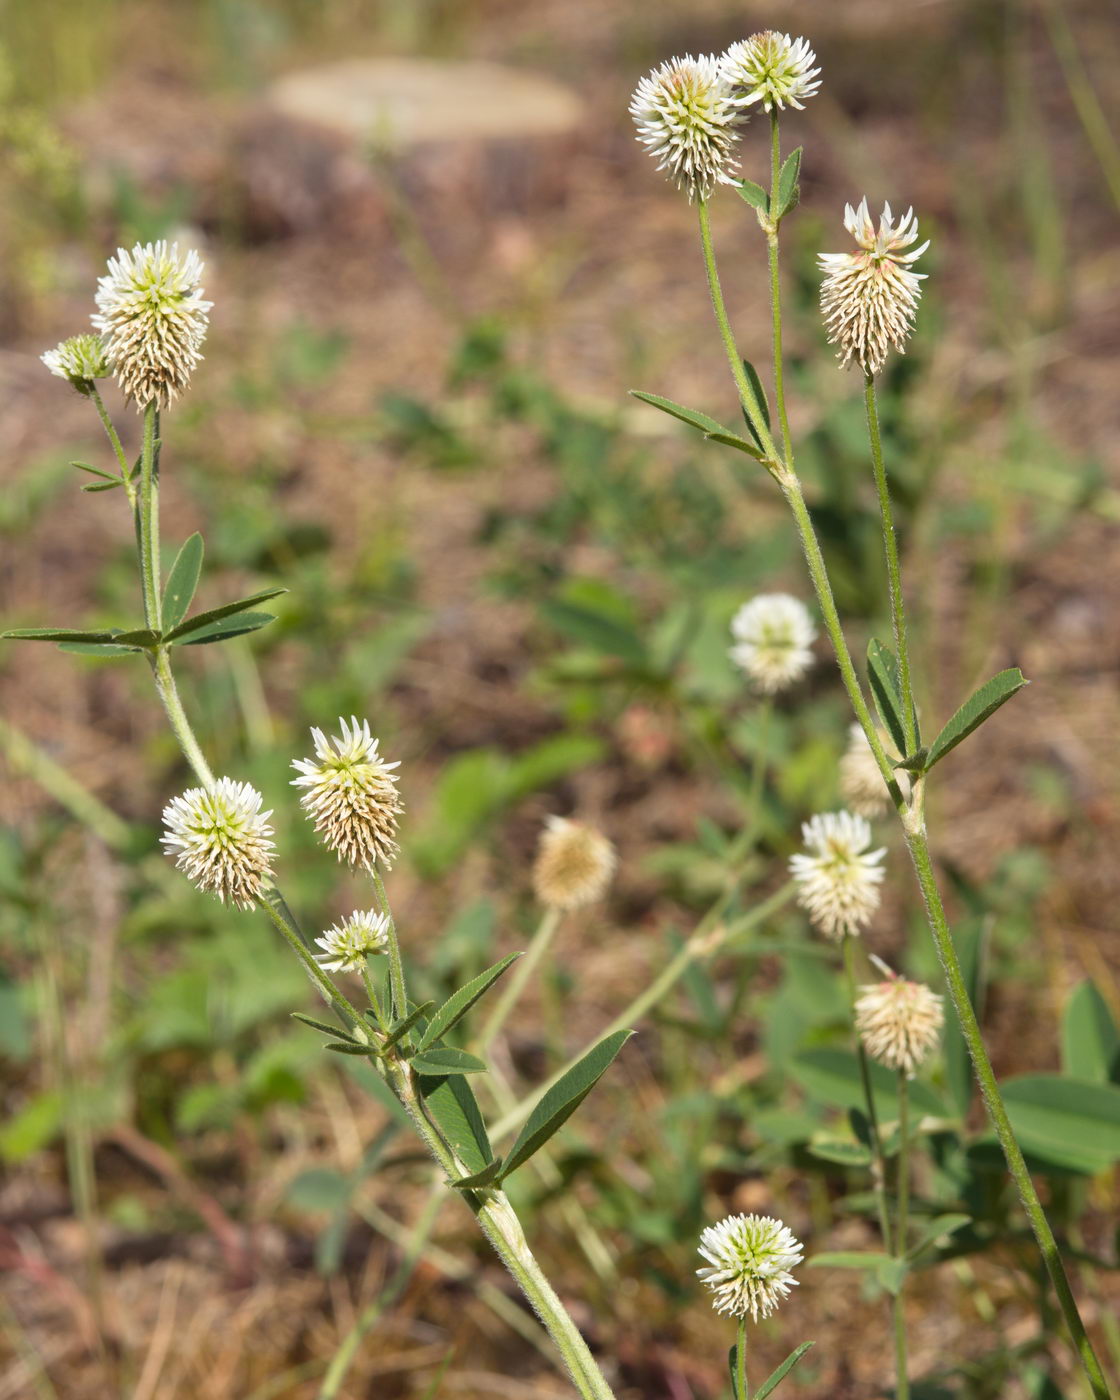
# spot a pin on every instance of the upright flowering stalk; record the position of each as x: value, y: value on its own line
x: 750, y: 1258
x: 687, y: 120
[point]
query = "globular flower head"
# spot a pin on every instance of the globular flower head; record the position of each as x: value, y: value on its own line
x: 838, y: 878
x: 347, y: 944
x: 351, y: 794
x: 771, y: 68
x: 80, y: 360
x: 773, y: 636
x: 153, y: 318
x: 861, y: 783
x: 687, y: 121
x: 574, y: 864
x: 868, y: 298
x: 751, y: 1257
x: 219, y: 837
x: 898, y: 1021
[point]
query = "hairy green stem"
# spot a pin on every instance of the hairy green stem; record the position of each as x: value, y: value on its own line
x: 742, y: 1385
x: 878, y: 1166
x: 519, y: 978
x: 114, y: 443
x: 894, y: 571
x: 901, y: 1231
x: 147, y: 519
x: 398, y: 994
x: 775, y: 287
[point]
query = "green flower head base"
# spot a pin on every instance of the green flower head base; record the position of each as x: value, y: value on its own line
x: 151, y: 312
x: 80, y: 360
x: 750, y: 1258
x: 350, y: 793
x: 219, y: 837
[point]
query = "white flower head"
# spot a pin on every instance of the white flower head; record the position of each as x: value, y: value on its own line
x: 219, y: 837
x: 153, y: 318
x: 687, y: 121
x: 351, y: 794
x: 898, y: 1021
x: 751, y: 1257
x: 347, y: 944
x: 771, y: 68
x: 838, y: 878
x: 80, y: 360
x: 773, y: 636
x: 861, y: 783
x: 574, y: 864
x: 869, y: 298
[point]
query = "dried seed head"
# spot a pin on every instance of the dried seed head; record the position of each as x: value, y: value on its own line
x: 898, y: 1021
x: 574, y: 864
x: 837, y: 876
x: 154, y: 320
x: 861, y: 783
x: 750, y: 1257
x: 771, y: 68
x: 219, y: 839
x: 351, y: 794
x: 868, y: 298
x: 687, y: 121
x: 81, y: 360
x: 347, y: 944
x: 773, y: 635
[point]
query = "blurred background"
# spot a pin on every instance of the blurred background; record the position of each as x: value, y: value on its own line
x: 439, y: 260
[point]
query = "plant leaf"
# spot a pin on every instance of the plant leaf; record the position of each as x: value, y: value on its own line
x: 788, y: 191
x: 350, y: 1047
x: 731, y: 440
x: 754, y: 195
x: 882, y: 672
x: 760, y: 395
x: 182, y: 582
x: 975, y: 710
x: 459, y: 1003
x: 451, y: 1102
x: 335, y: 1032
x: 1090, y: 1040
x: 225, y: 628
x: 938, y: 1227
x: 1072, y: 1122
x: 445, y: 1059
x: 103, y: 485
x: 841, y: 1150
x: 849, y: 1259
x: 203, y: 619
x: 98, y: 649
x: 775, y: 1378
x: 406, y: 1023
x: 596, y: 630
x: 562, y: 1100
x: 891, y: 1273
x: 483, y: 1178
x: 59, y: 634
x: 691, y: 416
x: 832, y: 1076
x: 96, y: 471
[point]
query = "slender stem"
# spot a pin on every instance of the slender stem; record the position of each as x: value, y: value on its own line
x: 742, y: 1386
x: 918, y: 844
x: 894, y: 572
x: 709, y: 936
x: 902, y: 1191
x: 878, y: 1166
x: 519, y: 979
x: 775, y: 288
x: 114, y: 442
x: 177, y: 716
x: 341, y: 1004
x: 147, y: 518
x: 398, y: 994
x: 747, y: 395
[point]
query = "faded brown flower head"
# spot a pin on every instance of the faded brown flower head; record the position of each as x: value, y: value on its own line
x: 351, y: 794
x: 898, y: 1021
x: 574, y: 864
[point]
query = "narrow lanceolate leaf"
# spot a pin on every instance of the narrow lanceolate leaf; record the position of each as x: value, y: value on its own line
x: 754, y: 195
x: 760, y: 396
x: 480, y: 1179
x: 456, y: 1006
x: 96, y: 471
x: 775, y: 1378
x: 975, y: 710
x: 182, y: 582
x: 882, y: 672
x: 406, y: 1023
x: 335, y: 1032
x: 445, y: 1059
x: 938, y: 1228
x: 59, y: 634
x: 741, y: 444
x: 892, y: 1274
x: 563, y: 1099
x: 849, y: 1259
x: 1090, y: 1040
x: 225, y: 628
x: 98, y: 649
x: 141, y: 637
x: 453, y: 1107
x: 691, y: 416
x: 349, y: 1047
x: 103, y: 485
x: 203, y: 619
x: 788, y: 190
